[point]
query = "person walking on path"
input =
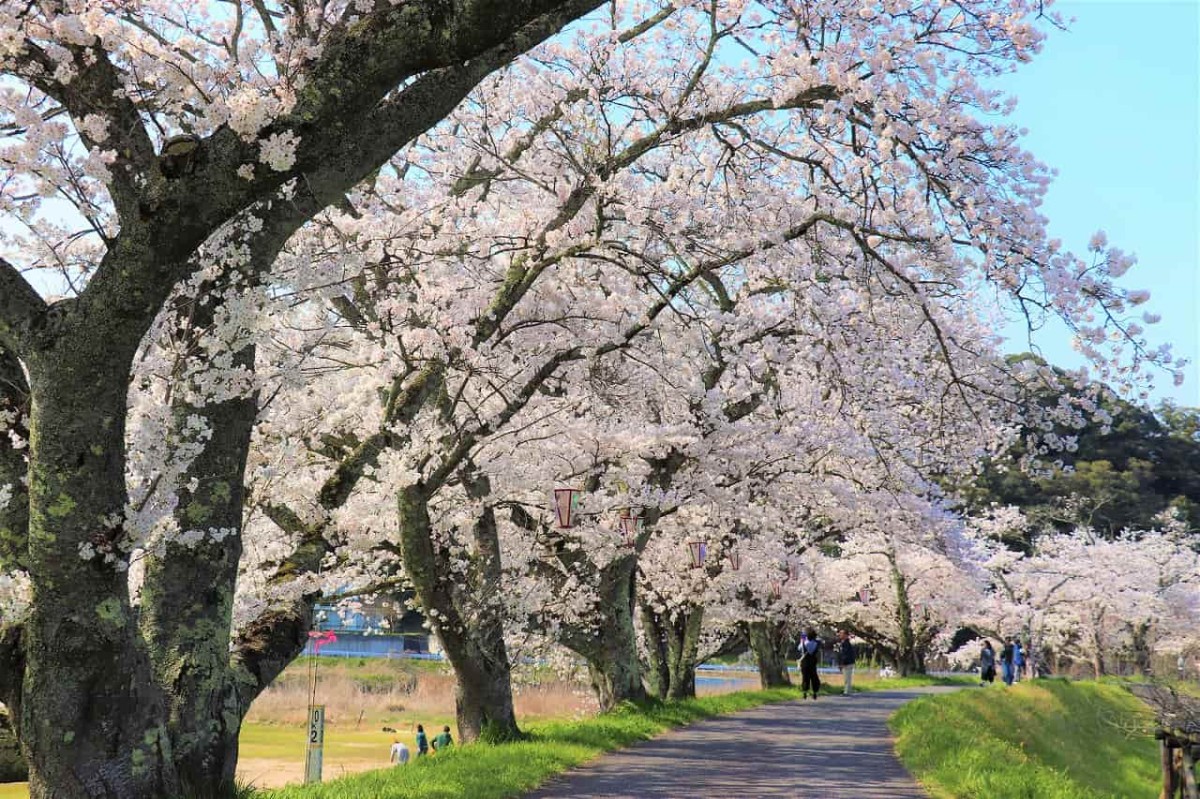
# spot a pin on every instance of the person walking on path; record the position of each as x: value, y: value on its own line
x: 443, y: 741
x: 846, y: 657
x: 1006, y: 662
x: 422, y: 741
x: 810, y: 657
x: 1018, y: 660
x: 987, y: 663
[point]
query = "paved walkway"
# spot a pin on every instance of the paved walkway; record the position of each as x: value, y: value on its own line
x: 835, y: 748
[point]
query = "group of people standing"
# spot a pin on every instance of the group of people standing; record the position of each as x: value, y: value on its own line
x: 810, y: 659
x: 1012, y: 662
x: 400, y: 753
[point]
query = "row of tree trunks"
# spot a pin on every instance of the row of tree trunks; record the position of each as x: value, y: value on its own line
x: 673, y: 646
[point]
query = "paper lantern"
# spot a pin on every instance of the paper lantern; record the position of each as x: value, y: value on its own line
x: 699, y: 551
x: 566, y: 500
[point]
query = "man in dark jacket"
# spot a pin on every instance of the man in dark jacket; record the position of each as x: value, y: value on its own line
x: 845, y: 658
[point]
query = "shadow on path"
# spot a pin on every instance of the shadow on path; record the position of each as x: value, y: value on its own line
x: 835, y: 748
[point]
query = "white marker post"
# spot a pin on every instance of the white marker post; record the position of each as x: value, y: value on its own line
x: 316, y: 744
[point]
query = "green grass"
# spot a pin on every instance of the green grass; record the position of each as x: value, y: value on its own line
x: 1046, y: 739
x: 14, y: 790
x: 900, y: 683
x: 484, y: 771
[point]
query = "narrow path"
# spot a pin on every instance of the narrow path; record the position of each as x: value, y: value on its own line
x: 835, y: 748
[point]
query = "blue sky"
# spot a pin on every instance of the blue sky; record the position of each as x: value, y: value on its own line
x: 1112, y: 103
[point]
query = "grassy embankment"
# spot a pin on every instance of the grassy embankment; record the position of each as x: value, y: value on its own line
x: 1047, y: 739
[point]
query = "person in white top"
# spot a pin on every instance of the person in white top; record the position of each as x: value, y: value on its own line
x: 399, y: 752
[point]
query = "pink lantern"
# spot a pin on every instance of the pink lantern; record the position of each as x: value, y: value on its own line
x: 699, y: 551
x: 793, y: 570
x: 776, y: 589
x: 565, y: 502
x: 735, y: 559
x: 629, y: 512
x: 630, y: 527
x: 864, y: 596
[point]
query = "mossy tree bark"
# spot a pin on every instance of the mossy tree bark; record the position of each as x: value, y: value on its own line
x: 93, y: 718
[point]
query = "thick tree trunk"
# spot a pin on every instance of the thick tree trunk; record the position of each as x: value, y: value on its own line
x: 469, y: 622
x: 616, y: 674
x: 908, y: 659
x: 658, y: 676
x: 187, y: 599
x: 92, y: 716
x: 683, y: 646
x: 1098, y: 664
x: 483, y: 701
x: 1140, y: 634
x: 610, y: 649
x: 770, y: 643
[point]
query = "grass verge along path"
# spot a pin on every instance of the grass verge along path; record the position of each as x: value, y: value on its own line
x: 484, y: 771
x: 1050, y: 739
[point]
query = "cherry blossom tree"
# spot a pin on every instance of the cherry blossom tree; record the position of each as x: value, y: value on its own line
x: 156, y: 128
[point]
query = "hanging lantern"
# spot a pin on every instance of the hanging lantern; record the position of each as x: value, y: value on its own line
x: 776, y: 590
x: 630, y: 512
x: 864, y: 596
x: 735, y: 559
x: 630, y: 527
x: 565, y: 502
x: 699, y: 551
x: 793, y: 570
